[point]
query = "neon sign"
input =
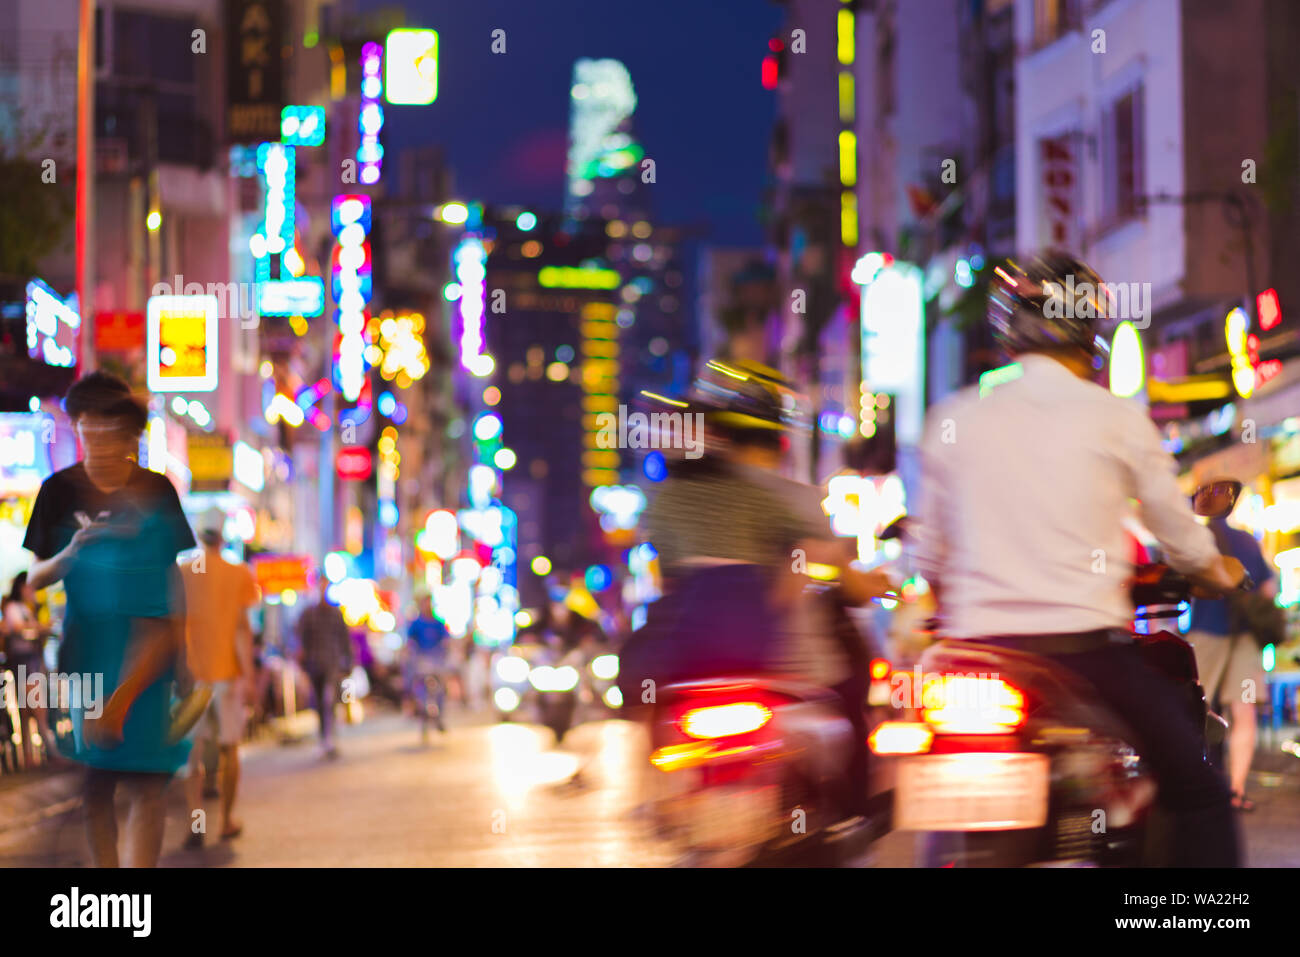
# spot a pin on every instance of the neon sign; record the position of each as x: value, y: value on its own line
x: 471, y: 273
x: 351, y: 285
x: 277, y: 163
x: 302, y: 125
x: 371, y: 119
x: 52, y: 325
x: 291, y: 297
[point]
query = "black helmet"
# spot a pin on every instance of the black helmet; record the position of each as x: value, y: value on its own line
x: 1055, y: 301
x: 745, y: 396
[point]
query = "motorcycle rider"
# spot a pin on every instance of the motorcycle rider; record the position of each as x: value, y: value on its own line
x: 1020, y: 527
x: 734, y: 540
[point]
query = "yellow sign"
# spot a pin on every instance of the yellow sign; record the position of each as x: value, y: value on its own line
x: 181, y: 343
x: 210, y: 458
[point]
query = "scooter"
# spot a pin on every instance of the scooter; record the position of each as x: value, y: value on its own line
x: 556, y: 686
x: 1006, y: 758
x: 750, y: 769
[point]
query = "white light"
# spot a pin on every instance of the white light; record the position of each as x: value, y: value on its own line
x: 249, y: 467
x: 1127, y: 370
x: 605, y: 667
x: 487, y: 427
x: 512, y: 670
x: 506, y: 699
x: 614, y: 697
x: 335, y: 568
x: 455, y: 213
x: 179, y: 405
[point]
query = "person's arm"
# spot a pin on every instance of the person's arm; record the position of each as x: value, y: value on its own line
x: 857, y: 585
x: 1189, y: 547
x: 926, y: 533
x: 45, y: 572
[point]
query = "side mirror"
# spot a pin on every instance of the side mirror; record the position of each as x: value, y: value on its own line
x: 1216, y: 499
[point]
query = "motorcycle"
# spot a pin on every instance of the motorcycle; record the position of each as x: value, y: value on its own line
x: 1009, y: 759
x: 752, y: 769
x: 556, y: 687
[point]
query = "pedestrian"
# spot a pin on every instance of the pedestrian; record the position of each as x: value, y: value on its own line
x: 1228, y: 658
x: 24, y: 648
x: 110, y: 531
x: 424, y: 655
x: 219, y: 646
x: 325, y: 654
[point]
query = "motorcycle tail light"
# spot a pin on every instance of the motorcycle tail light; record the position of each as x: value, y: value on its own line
x: 725, y: 720
x: 900, y: 737
x: 677, y: 757
x: 972, y: 704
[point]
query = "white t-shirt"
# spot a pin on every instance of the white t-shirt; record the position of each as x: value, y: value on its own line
x: 1023, y: 497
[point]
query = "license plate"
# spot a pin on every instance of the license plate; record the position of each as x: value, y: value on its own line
x: 972, y: 792
x: 730, y: 817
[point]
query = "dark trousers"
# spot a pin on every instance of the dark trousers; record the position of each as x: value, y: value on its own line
x: 853, y: 694
x: 325, y: 687
x: 1193, y: 792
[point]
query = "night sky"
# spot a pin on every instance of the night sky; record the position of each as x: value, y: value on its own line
x: 502, y: 119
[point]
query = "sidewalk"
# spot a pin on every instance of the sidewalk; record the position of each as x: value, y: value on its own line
x: 30, y: 798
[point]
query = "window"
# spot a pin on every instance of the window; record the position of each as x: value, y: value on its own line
x: 1055, y: 18
x: 1123, y: 153
x: 152, y: 80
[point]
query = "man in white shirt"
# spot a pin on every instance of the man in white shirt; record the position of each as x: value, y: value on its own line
x: 1021, y: 515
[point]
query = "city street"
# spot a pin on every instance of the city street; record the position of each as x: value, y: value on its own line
x: 488, y: 795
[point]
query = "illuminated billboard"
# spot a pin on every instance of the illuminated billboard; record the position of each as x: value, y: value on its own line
x: 411, y: 67
x: 893, y: 343
x: 181, y: 343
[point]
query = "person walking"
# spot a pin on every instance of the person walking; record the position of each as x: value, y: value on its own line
x: 1228, y: 657
x: 24, y: 647
x: 110, y: 531
x: 219, y: 645
x: 325, y: 654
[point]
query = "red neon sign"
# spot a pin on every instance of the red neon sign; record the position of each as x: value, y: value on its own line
x: 353, y: 464
x: 1268, y: 309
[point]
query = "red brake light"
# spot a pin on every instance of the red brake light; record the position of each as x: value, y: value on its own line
x: 973, y: 704
x: 879, y: 669
x: 725, y: 720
